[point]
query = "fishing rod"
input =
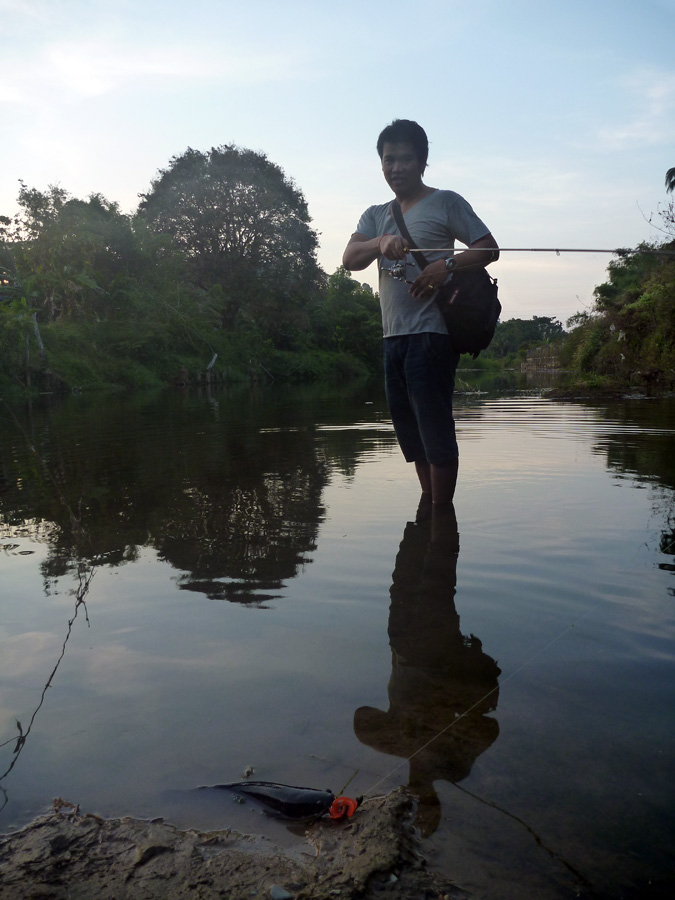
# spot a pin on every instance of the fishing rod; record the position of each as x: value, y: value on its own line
x: 622, y: 251
x: 397, y: 271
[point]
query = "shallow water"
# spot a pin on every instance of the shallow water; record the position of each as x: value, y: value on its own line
x: 208, y: 582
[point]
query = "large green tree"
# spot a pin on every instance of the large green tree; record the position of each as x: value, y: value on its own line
x: 244, y: 226
x: 99, y: 288
x: 70, y: 254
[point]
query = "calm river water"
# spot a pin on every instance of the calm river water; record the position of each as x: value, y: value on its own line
x: 207, y: 582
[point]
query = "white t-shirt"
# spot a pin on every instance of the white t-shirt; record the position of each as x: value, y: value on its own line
x: 434, y: 221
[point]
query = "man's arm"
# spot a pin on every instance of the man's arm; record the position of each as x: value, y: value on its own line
x: 481, y: 253
x: 474, y: 257
x: 361, y: 251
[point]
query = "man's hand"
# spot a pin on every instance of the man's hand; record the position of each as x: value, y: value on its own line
x: 430, y: 279
x: 481, y: 253
x: 361, y: 251
x: 392, y: 246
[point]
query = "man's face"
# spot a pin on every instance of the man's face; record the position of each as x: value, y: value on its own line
x: 401, y: 167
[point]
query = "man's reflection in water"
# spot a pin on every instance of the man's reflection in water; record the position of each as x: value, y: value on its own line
x: 437, y: 673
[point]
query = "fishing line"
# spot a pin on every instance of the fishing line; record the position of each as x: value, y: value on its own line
x: 344, y: 787
x: 575, y: 872
x: 552, y: 853
x: 504, y: 681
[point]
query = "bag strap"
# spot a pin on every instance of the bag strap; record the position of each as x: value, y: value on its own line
x: 417, y: 255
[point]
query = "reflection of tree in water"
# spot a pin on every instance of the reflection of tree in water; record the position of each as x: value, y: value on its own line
x: 640, y: 441
x: 240, y: 542
x: 443, y: 687
x: 644, y: 449
x: 226, y: 489
x: 235, y: 508
x: 667, y: 546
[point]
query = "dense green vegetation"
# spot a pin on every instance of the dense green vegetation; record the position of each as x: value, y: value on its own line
x: 629, y: 337
x: 515, y: 337
x: 214, y: 277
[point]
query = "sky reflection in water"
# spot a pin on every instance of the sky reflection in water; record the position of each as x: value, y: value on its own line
x: 260, y: 597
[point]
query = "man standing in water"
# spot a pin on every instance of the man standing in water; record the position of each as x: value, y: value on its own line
x: 419, y: 360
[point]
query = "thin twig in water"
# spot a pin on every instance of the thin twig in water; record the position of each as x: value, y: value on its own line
x: 82, y: 591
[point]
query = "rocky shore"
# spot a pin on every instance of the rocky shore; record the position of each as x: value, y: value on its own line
x: 80, y: 856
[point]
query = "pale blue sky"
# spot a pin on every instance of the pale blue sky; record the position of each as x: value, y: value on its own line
x: 555, y: 120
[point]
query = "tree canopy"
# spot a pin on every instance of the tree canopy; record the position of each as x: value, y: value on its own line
x: 218, y: 263
x: 70, y: 252
x: 242, y: 225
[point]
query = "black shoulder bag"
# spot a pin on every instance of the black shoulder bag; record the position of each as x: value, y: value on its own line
x: 468, y: 301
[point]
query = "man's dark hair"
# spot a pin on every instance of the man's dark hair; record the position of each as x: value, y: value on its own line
x: 405, y: 130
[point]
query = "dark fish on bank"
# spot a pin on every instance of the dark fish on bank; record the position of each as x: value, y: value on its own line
x: 281, y: 800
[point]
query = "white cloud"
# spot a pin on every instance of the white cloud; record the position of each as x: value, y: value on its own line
x: 650, y: 94
x: 36, y: 10
x: 91, y: 68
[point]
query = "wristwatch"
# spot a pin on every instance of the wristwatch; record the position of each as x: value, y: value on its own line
x: 450, y: 263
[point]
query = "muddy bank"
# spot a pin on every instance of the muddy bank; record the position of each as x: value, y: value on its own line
x: 75, y: 855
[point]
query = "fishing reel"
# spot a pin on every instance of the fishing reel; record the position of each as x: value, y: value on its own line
x: 398, y: 270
